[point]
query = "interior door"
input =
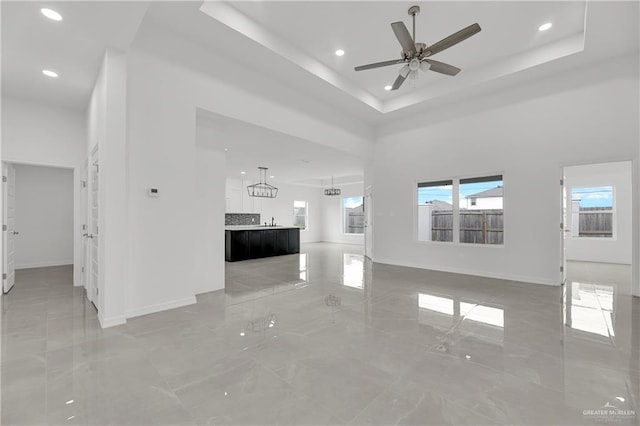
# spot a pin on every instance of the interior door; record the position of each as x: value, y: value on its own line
x: 93, y: 235
x: 368, y: 223
x: 8, y: 228
x: 84, y: 218
x: 564, y: 231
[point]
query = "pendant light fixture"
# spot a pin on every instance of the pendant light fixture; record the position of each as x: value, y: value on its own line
x: 332, y: 191
x: 262, y: 189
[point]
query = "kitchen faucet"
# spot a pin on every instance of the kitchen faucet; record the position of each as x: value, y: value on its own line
x: 272, y: 223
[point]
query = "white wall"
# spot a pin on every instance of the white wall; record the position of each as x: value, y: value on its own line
x: 281, y: 207
x: 34, y: 133
x: 209, y: 213
x: 163, y: 97
x: 44, y: 216
x: 106, y: 127
x: 332, y: 216
x: 611, y: 250
x: 527, y: 133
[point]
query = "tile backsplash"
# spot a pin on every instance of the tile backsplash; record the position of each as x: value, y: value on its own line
x: 242, y: 219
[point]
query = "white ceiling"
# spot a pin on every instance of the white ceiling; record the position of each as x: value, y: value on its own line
x: 363, y: 30
x: 289, y: 159
x: 73, y: 47
x: 293, y: 44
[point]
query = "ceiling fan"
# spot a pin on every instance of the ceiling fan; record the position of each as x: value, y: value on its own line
x: 417, y: 55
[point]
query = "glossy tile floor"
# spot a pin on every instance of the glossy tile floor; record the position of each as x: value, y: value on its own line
x: 325, y: 337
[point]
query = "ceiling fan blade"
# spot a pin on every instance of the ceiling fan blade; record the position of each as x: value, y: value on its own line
x: 403, y: 36
x: 454, y: 39
x: 441, y: 67
x: 398, y: 82
x: 379, y: 64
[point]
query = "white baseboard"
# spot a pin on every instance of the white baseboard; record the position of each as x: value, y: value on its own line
x: 151, y: 309
x: 600, y: 260
x: 210, y: 290
x: 112, y: 321
x: 44, y: 264
x: 351, y: 243
x: 520, y: 278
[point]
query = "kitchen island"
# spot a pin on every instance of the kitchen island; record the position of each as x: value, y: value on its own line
x: 253, y: 242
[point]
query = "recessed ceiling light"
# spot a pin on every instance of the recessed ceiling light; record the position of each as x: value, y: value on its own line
x: 339, y: 52
x: 243, y: 173
x: 51, y: 14
x: 271, y: 177
x: 545, y: 27
x: 50, y: 73
x: 387, y: 88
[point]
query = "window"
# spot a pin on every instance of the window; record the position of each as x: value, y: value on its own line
x: 353, y: 215
x: 481, y: 212
x: 435, y: 211
x: 300, y: 216
x: 592, y: 212
x: 476, y: 216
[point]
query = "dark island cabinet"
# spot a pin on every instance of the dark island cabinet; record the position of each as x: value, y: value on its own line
x: 245, y: 244
x: 253, y: 250
x: 282, y: 242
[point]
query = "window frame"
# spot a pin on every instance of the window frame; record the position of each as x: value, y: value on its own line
x: 344, y: 216
x: 481, y: 179
x: 434, y: 182
x: 306, y: 214
x: 456, y: 210
x: 614, y: 233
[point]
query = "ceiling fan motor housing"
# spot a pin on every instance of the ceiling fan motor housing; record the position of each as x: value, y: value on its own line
x: 421, y: 50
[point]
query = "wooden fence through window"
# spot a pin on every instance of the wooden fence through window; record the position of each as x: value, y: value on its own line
x: 476, y: 226
x: 595, y: 222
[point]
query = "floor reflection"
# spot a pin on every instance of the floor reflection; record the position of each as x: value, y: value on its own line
x: 483, y: 314
x: 303, y: 267
x: 466, y: 311
x: 353, y: 270
x: 435, y: 303
x: 590, y: 308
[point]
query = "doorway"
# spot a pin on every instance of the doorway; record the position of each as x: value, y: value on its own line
x: 8, y: 228
x: 597, y: 216
x: 93, y: 229
x: 38, y: 219
x: 368, y: 222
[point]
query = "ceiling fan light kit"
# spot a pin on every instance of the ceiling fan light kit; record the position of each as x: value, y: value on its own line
x: 416, y: 56
x: 262, y: 189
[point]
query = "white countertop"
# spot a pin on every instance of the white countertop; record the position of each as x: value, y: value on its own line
x: 255, y: 227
